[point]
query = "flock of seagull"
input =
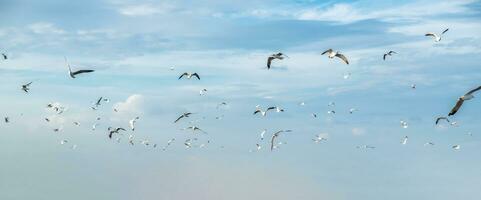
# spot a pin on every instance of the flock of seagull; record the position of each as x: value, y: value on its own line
x: 117, y: 132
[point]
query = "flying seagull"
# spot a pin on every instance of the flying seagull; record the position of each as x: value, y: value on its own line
x: 74, y: 73
x: 98, y: 102
x: 456, y: 147
x: 189, y: 75
x: 440, y: 118
x: 263, y: 113
x: 262, y: 134
x: 461, y: 100
x: 435, y: 36
x: 132, y: 123
x: 388, y: 54
x: 195, y: 128
x: 331, y: 54
x: 114, y: 130
x: 272, y: 57
x: 405, y: 140
x: 187, y: 114
x: 202, y: 92
x: 26, y: 87
x: 275, y: 135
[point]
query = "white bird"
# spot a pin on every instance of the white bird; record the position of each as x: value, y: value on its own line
x: 347, y: 76
x: 94, y: 126
x: 429, y: 143
x: 319, y: 138
x: 189, y: 75
x: 456, y: 147
x: 388, y: 54
x: 272, y: 57
x: 352, y: 110
x: 62, y: 142
x: 220, y: 105
x: 262, y: 134
x: 405, y: 140
x: 331, y: 54
x: 413, y: 86
x: 366, y: 147
x: 263, y: 113
x: 331, y: 112
x: 404, y: 124
x: 275, y: 135
x: 195, y: 128
x: 202, y: 92
x: 435, y: 36
x: 76, y: 123
x: 132, y: 123
x: 314, y: 115
x: 465, y: 97
x: 187, y: 114
x: 74, y: 73
x: 258, y: 147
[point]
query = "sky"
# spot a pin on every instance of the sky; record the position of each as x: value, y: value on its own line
x: 133, y: 45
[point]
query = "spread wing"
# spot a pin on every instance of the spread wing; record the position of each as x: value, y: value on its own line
x: 327, y: 51
x: 272, y: 141
x: 184, y: 74
x: 473, y: 90
x: 196, y: 75
x: 271, y: 108
x: 456, y: 107
x: 384, y: 57
x: 445, y: 31
x: 178, y: 118
x: 257, y: 111
x: 82, y: 71
x: 342, y: 57
x: 269, y: 61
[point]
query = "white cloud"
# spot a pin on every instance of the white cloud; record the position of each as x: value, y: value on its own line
x: 358, y: 131
x: 45, y: 28
x: 133, y: 105
x: 145, y: 9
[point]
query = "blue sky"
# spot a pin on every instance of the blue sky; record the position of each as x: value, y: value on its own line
x: 133, y: 44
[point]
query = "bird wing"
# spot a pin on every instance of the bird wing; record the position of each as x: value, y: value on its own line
x: 272, y: 140
x: 257, y: 111
x: 384, y: 57
x: 456, y: 107
x: 473, y: 90
x: 445, y: 31
x: 82, y: 71
x: 432, y: 35
x: 269, y: 61
x: 179, y: 118
x: 390, y: 52
x: 271, y: 108
x: 327, y: 51
x: 196, y: 75
x: 342, y: 57
x: 98, y: 101
x: 184, y: 74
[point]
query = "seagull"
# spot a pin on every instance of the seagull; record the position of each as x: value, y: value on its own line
x: 279, y: 56
x: 456, y: 147
x: 262, y: 134
x: 332, y: 103
x: 366, y: 147
x: 413, y: 86
x: 314, y: 115
x: 94, y: 126
x: 62, y: 142
x: 7, y: 119
x: 187, y: 114
x: 195, y: 128
x: 114, y: 130
x: 98, y: 102
x: 404, y: 124
x: 221, y: 104
x: 26, y: 87
x: 440, y: 118
x: 331, y: 112
x: 74, y: 73
x: 189, y: 75
x: 132, y: 123
x: 202, y: 92
x: 4, y: 56
x: 331, y: 54
x: 319, y: 138
x: 352, y: 110
x: 461, y: 100
x: 76, y: 123
x: 131, y: 140
x: 258, y: 147
x: 347, y: 76
x: 263, y: 113
x: 436, y: 37
x: 388, y: 54
x: 47, y: 119
x: 429, y: 143
x: 405, y: 140
x: 275, y: 135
